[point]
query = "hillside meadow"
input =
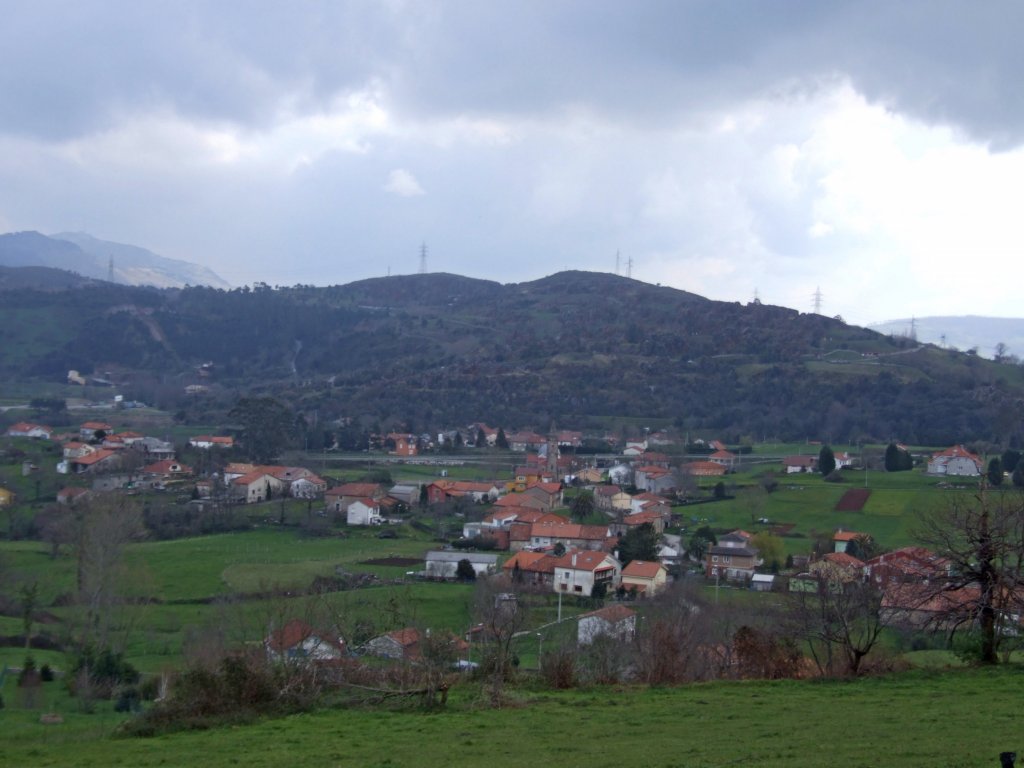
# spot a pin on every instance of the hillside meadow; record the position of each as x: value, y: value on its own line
x: 920, y: 719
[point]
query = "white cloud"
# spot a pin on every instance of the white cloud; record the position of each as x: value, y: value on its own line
x: 402, y: 183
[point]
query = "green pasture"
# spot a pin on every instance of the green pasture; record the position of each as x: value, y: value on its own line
x: 953, y: 718
x: 806, y: 501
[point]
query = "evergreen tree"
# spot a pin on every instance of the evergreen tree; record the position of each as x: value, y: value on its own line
x: 995, y: 472
x: 582, y: 505
x: 1010, y: 459
x: 699, y: 542
x: 826, y: 461
x: 892, y: 458
x: 639, y: 543
x: 501, y: 441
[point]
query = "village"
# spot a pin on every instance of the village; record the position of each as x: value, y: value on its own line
x: 611, y: 531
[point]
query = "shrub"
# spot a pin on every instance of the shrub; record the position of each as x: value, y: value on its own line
x: 128, y: 700
x: 558, y: 668
x: 46, y: 673
x: 237, y: 690
x: 103, y: 670
x: 150, y: 688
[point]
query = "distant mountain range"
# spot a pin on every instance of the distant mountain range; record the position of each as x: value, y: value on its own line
x: 981, y: 334
x: 90, y: 257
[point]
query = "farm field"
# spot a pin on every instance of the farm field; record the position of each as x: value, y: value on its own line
x: 808, y: 504
x: 240, y: 582
x: 920, y: 719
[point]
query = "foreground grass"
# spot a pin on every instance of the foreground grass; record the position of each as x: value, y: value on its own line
x: 953, y: 718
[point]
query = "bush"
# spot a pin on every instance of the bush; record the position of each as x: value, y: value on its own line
x: 103, y: 670
x: 558, y: 668
x: 128, y: 700
x: 150, y: 688
x: 46, y: 673
x: 237, y: 690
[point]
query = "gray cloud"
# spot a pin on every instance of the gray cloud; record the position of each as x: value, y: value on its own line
x: 74, y: 67
x: 286, y: 141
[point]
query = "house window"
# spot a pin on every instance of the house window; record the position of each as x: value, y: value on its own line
x: 727, y: 558
x: 577, y: 588
x: 714, y: 558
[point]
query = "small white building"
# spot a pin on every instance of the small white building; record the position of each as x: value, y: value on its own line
x: 444, y: 564
x: 364, y: 512
x: 615, y: 621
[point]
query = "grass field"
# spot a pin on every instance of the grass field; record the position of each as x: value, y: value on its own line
x: 808, y: 503
x: 920, y: 719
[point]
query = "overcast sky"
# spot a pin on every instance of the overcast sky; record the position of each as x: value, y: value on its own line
x: 872, y: 149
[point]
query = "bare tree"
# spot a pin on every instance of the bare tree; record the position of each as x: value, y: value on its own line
x: 669, y: 638
x: 502, y: 615
x: 982, y: 537
x: 840, y: 620
x: 102, y: 530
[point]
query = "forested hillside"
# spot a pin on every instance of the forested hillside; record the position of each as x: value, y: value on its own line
x: 577, y: 348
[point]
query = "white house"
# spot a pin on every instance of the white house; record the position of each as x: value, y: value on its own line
x: 26, y: 429
x: 364, y: 512
x: 443, y: 565
x: 615, y: 620
x: 577, y: 572
x: 956, y: 461
x: 298, y: 641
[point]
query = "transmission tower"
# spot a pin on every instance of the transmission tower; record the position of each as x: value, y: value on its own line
x: 423, y: 259
x: 616, y: 262
x: 913, y: 329
x: 110, y: 270
x: 629, y: 267
x: 817, y: 296
x: 757, y: 297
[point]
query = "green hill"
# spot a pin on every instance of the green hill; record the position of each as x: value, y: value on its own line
x: 582, y: 349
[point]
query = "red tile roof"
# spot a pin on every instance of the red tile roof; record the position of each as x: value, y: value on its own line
x: 96, y: 456
x: 848, y: 536
x: 642, y: 569
x: 584, y: 560
x: 613, y: 614
x: 843, y: 560
x: 295, y: 632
